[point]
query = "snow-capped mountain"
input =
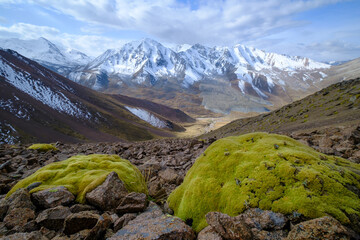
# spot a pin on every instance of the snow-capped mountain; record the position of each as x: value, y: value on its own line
x: 47, y: 53
x: 253, y: 73
x: 193, y: 78
x: 37, y: 104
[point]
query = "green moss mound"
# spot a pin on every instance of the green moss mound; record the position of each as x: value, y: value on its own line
x: 44, y: 147
x: 81, y: 174
x: 268, y: 171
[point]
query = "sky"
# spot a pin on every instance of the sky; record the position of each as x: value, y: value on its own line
x: 324, y: 30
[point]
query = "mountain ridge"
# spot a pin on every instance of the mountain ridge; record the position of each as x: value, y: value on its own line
x: 37, y: 104
x: 203, y: 81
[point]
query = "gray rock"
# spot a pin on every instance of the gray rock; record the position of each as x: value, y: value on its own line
x: 20, y: 199
x: 50, y: 198
x: 18, y: 217
x: 264, y: 220
x: 320, y: 228
x: 132, y: 203
x: 252, y: 224
x: 229, y: 227
x: 153, y: 224
x: 53, y: 218
x: 79, y: 221
x: 109, y: 194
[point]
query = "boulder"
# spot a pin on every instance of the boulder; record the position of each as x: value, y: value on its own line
x: 263, y: 220
x: 109, y: 194
x: 53, y: 197
x: 20, y: 199
x: 208, y: 233
x: 53, y: 218
x: 79, y: 221
x: 18, y: 217
x: 320, y: 228
x: 153, y: 224
x: 254, y: 223
x: 132, y: 203
x: 229, y: 227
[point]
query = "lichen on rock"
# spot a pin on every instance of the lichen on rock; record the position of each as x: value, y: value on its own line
x: 81, y: 174
x: 292, y: 178
x: 43, y: 147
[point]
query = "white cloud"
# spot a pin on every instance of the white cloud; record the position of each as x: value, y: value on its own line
x: 89, y: 44
x: 27, y: 31
x: 213, y: 22
x: 332, y: 50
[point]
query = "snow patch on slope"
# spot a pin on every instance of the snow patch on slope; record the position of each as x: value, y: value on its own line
x: 18, y: 110
x: 36, y: 89
x: 7, y: 133
x: 147, y: 117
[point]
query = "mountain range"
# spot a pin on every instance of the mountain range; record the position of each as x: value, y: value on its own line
x: 37, y: 104
x: 197, y: 79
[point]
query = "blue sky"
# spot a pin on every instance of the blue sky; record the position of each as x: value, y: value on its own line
x: 324, y: 30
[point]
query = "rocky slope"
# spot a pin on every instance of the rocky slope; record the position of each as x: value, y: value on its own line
x: 37, y: 104
x: 336, y: 106
x: 164, y: 164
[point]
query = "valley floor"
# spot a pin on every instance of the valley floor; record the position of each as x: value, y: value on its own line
x: 205, y: 125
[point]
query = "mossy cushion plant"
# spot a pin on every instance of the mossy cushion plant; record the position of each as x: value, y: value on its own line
x: 81, y: 174
x: 43, y: 147
x: 267, y: 171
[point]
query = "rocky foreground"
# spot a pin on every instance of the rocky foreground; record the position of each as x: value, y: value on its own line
x: 53, y: 213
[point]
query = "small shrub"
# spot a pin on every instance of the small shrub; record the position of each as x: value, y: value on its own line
x: 81, y: 174
x: 43, y: 147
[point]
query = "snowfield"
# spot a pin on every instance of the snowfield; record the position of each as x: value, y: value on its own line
x: 147, y: 117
